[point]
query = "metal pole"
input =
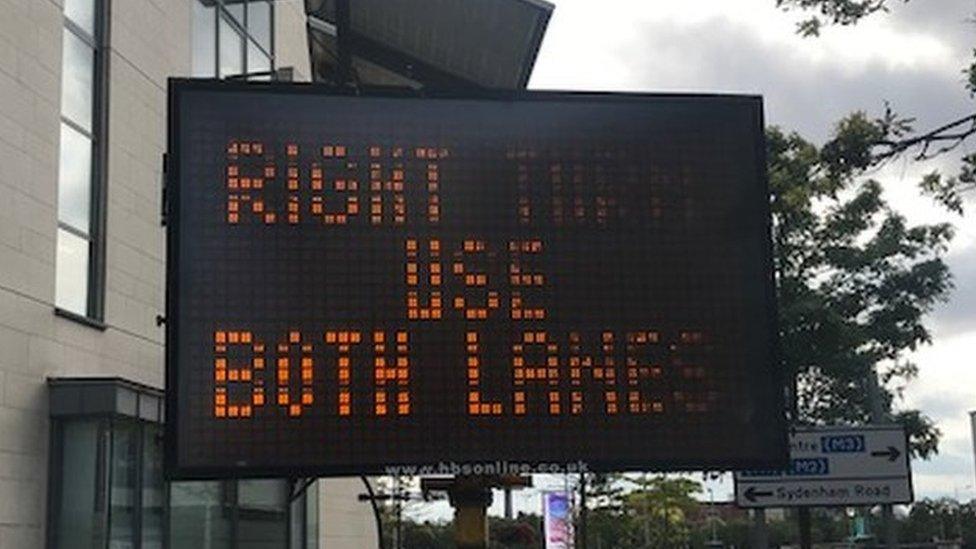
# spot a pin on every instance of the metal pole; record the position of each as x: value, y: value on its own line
x: 760, y: 537
x: 647, y: 521
x: 880, y: 416
x: 581, y: 542
x: 972, y: 424
x: 711, y: 508
x: 664, y: 515
x: 806, y: 534
x: 470, y: 496
x: 344, y: 69
x: 508, y: 502
x: 399, y: 514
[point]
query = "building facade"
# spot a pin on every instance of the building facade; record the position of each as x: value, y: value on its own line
x: 82, y: 137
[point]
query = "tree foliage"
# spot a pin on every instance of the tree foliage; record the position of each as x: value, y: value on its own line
x: 940, y: 519
x: 854, y: 278
x: 522, y: 532
x: 889, y: 136
x: 641, y: 511
x: 835, y: 12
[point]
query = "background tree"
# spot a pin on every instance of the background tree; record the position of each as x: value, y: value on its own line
x: 889, y: 136
x: 940, y: 519
x: 854, y: 283
x: 521, y: 532
x: 828, y: 526
x: 631, y: 512
x: 427, y: 535
x: 604, y: 490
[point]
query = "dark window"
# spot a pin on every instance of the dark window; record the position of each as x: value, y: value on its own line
x: 79, y: 514
x: 153, y: 501
x: 123, y: 512
x: 252, y: 514
x: 107, y: 484
x: 199, y: 515
x: 108, y: 492
x: 262, y: 514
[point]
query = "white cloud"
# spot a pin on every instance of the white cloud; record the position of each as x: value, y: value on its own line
x: 945, y: 390
x: 583, y: 46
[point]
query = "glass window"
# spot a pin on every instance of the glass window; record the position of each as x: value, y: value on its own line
x: 198, y: 516
x: 81, y: 13
x: 237, y: 47
x: 71, y: 278
x: 262, y: 514
x: 78, y: 283
x: 204, y: 42
x: 108, y: 487
x: 235, y: 8
x: 304, y: 519
x: 257, y: 61
x: 153, y: 488
x: 259, y: 23
x: 231, y: 50
x: 125, y: 465
x: 262, y: 495
x: 79, y: 518
x: 246, y: 514
x: 74, y: 179
x: 76, y: 80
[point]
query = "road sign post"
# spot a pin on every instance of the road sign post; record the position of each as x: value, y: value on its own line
x: 834, y: 466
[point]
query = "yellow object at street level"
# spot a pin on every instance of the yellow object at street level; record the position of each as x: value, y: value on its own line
x: 470, y: 495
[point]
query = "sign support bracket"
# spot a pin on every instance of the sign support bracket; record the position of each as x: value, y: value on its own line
x: 298, y: 487
x: 470, y: 496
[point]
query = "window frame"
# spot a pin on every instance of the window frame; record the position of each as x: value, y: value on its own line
x: 241, y: 27
x: 107, y: 426
x: 94, y: 314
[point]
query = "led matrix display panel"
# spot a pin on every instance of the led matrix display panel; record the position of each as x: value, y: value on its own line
x: 362, y: 281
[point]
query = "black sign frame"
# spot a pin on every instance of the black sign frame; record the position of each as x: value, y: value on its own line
x: 774, y: 457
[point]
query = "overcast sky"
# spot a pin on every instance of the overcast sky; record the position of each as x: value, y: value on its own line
x: 911, y: 57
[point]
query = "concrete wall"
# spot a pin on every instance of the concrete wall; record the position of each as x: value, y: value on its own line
x: 345, y: 522
x: 291, y: 41
x: 149, y: 42
x: 33, y: 343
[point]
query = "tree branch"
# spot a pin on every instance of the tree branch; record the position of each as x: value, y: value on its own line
x: 954, y: 133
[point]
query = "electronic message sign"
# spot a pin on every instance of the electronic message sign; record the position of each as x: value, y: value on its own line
x: 360, y: 281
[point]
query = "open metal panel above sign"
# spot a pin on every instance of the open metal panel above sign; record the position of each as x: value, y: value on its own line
x: 441, y: 43
x: 360, y: 281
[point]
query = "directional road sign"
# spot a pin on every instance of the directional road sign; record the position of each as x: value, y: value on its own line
x: 834, y: 466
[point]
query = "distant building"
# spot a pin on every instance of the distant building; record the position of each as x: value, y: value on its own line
x: 82, y: 134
